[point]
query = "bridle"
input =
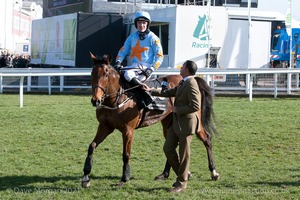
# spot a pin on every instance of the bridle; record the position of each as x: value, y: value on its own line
x: 99, y: 102
x: 104, y: 90
x: 105, y: 95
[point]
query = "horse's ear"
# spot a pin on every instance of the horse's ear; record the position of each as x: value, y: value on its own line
x: 93, y: 57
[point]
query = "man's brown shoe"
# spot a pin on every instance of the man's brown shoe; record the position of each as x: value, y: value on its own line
x: 177, y: 189
x: 175, y: 184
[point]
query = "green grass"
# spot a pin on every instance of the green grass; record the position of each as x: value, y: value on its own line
x: 44, y: 144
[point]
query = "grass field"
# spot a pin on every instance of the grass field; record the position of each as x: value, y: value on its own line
x: 44, y: 144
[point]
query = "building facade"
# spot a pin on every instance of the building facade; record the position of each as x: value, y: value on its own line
x: 16, y: 17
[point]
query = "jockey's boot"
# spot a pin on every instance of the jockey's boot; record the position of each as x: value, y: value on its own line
x: 144, y: 99
x: 148, y: 99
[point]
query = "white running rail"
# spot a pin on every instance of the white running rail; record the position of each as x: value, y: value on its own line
x: 208, y: 73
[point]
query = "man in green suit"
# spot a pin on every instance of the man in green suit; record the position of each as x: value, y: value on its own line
x: 186, y: 122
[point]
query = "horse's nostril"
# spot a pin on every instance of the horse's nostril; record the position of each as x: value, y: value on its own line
x: 98, y: 103
x: 94, y: 102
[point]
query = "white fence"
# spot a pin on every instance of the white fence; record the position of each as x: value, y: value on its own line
x: 220, y: 80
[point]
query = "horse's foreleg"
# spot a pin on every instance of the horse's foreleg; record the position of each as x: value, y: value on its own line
x: 102, y: 133
x: 88, y: 161
x: 206, y: 139
x: 85, y: 182
x: 127, y: 143
x: 126, y: 167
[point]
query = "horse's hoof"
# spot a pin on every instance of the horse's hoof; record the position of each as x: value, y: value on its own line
x: 190, y: 175
x: 215, y: 176
x: 86, y: 184
x: 161, y: 177
x: 86, y: 181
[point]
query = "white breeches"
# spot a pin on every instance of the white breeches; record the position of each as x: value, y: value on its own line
x: 135, y: 70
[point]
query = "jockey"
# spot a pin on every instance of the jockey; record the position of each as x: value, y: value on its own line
x: 145, y: 54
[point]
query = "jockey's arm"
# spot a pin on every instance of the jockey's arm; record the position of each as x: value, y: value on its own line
x: 124, y: 51
x: 157, y: 53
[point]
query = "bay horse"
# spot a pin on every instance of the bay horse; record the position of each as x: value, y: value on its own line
x: 116, y: 108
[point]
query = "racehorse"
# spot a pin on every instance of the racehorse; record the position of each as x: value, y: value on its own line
x: 116, y: 108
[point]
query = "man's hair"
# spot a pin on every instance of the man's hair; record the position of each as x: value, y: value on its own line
x: 191, y: 66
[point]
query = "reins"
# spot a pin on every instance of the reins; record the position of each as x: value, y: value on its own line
x: 118, y: 94
x: 142, y: 72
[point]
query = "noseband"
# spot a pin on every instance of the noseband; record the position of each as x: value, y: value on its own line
x: 103, y: 90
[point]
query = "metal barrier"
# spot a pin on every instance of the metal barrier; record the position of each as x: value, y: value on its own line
x: 245, y: 80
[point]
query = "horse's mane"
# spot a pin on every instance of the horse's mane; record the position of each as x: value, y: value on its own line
x: 207, y: 113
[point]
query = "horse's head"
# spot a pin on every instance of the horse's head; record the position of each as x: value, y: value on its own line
x: 103, y: 79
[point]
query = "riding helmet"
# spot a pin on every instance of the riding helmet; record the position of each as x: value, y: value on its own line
x: 142, y: 16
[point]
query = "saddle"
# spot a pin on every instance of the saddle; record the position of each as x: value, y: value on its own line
x: 151, y: 114
x: 160, y: 103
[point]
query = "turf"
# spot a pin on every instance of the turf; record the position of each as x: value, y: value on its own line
x: 44, y: 144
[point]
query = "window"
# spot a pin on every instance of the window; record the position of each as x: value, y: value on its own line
x: 162, y: 31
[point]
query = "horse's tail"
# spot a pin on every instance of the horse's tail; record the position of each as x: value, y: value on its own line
x: 207, y: 113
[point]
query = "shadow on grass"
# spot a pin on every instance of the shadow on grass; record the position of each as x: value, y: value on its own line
x: 56, y: 184
x: 26, y: 183
x: 280, y: 184
x: 152, y: 190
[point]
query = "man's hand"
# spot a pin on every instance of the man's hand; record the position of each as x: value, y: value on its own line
x: 174, y: 109
x: 146, y: 87
x: 148, y: 72
x: 118, y: 66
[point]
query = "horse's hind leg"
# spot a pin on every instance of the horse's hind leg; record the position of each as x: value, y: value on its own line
x: 102, y: 133
x: 206, y: 139
x: 165, y: 174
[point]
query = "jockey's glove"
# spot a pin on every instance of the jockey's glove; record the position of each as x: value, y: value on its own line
x: 148, y: 72
x: 118, y: 66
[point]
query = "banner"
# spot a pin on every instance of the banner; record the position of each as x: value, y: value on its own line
x: 53, y: 40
